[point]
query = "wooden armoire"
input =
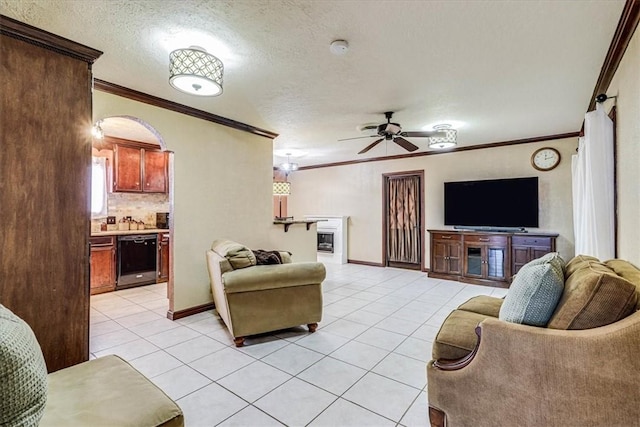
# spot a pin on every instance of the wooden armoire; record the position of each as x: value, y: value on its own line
x: 45, y: 184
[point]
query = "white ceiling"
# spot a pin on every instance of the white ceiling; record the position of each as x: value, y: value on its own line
x: 497, y: 70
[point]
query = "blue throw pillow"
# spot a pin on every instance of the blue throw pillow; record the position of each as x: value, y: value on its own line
x: 534, y: 292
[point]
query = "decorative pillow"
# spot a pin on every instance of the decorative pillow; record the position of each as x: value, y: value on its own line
x: 578, y: 262
x: 23, y: 373
x: 239, y: 256
x: 267, y: 257
x: 534, y: 293
x: 552, y: 258
x: 594, y: 296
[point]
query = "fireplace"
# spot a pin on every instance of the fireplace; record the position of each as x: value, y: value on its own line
x: 325, y: 241
x: 332, y: 238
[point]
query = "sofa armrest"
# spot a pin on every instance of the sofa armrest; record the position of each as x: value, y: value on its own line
x: 262, y: 277
x: 539, y: 376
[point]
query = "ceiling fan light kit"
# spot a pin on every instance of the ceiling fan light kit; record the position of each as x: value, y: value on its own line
x: 393, y: 132
x: 446, y: 139
x: 195, y: 71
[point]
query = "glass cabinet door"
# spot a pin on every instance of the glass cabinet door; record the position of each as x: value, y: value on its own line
x: 496, y: 263
x: 474, y: 261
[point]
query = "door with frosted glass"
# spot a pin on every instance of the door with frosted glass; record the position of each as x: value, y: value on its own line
x: 403, y: 220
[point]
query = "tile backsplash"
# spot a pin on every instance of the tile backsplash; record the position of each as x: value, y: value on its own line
x: 139, y: 206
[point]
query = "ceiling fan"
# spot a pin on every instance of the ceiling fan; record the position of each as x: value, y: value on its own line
x: 393, y: 132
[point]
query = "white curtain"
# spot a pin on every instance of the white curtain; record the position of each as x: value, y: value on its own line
x: 593, y: 189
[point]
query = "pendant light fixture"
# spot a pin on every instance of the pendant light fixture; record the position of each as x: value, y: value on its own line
x: 288, y: 167
x: 195, y: 71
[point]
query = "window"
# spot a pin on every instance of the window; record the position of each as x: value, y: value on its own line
x: 98, y: 187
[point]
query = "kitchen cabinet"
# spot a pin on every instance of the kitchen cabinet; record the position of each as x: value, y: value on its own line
x: 139, y: 170
x: 163, y: 257
x: 103, y: 264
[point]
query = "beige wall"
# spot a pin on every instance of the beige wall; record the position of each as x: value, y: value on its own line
x: 222, y: 188
x: 356, y: 191
x: 626, y: 85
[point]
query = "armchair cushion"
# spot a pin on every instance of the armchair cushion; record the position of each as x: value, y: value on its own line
x: 239, y: 256
x: 535, y: 292
x: 23, y: 373
x: 457, y: 336
x: 594, y: 296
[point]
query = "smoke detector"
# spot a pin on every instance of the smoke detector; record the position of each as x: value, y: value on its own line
x: 339, y: 47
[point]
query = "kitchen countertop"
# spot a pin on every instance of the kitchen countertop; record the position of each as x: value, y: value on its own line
x: 129, y: 232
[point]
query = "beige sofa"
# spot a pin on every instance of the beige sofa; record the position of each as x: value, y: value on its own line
x: 253, y: 299
x: 102, y: 392
x: 506, y: 374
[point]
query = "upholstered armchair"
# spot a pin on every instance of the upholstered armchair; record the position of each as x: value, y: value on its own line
x: 508, y: 374
x: 253, y: 299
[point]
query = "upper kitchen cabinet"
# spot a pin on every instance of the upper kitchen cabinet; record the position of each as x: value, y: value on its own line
x: 139, y: 169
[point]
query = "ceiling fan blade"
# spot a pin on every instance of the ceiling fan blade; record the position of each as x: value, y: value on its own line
x: 422, y: 134
x: 370, y: 146
x: 358, y: 137
x: 405, y: 144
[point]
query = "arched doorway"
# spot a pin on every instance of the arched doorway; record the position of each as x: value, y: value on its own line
x: 136, y: 191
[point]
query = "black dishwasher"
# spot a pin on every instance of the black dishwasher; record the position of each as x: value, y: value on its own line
x: 137, y: 258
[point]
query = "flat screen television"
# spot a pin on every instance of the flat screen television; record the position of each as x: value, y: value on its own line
x: 498, y: 203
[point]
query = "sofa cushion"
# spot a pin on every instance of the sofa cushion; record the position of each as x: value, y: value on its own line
x: 534, y: 293
x: 23, y: 373
x: 628, y: 271
x: 483, y: 304
x: 107, y: 392
x: 552, y: 258
x: 457, y: 335
x: 262, y: 277
x: 594, y: 296
x: 238, y: 255
x: 577, y: 262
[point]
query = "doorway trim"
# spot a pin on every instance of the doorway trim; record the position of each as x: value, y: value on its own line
x: 385, y: 212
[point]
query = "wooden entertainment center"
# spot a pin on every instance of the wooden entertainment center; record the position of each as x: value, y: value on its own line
x: 485, y: 258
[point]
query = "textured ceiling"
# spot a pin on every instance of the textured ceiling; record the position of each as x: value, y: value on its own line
x: 498, y: 70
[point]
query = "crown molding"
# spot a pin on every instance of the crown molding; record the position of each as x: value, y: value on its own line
x: 135, y: 95
x: 452, y: 150
x: 29, y: 34
x: 624, y: 32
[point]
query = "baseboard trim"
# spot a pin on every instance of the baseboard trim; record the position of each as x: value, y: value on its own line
x: 175, y: 315
x: 373, y: 264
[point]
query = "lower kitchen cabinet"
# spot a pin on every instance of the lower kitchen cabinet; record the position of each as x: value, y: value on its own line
x: 163, y: 257
x: 103, y: 264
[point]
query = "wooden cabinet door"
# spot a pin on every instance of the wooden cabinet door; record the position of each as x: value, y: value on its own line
x: 163, y: 258
x: 520, y: 255
x: 155, y: 171
x: 103, y: 269
x: 454, y: 253
x: 440, y: 253
x: 127, y: 170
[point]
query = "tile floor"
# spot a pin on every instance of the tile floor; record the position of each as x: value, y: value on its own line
x: 365, y: 365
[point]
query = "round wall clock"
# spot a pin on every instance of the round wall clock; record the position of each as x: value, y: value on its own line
x: 545, y: 159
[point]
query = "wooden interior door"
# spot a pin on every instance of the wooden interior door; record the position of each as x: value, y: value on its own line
x: 403, y: 218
